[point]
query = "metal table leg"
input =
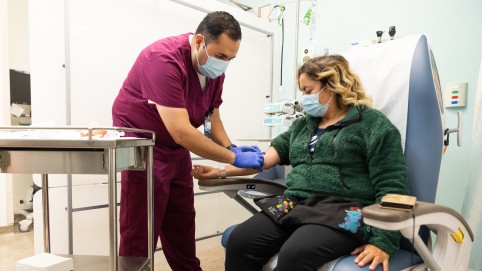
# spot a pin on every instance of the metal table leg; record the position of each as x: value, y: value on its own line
x: 45, y: 207
x: 150, y: 208
x: 113, y: 259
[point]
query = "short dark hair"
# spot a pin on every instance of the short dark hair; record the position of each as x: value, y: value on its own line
x: 217, y: 23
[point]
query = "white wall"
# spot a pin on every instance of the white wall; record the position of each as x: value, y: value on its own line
x: 18, y: 35
x: 472, y: 208
x: 6, y: 217
x: 47, y: 57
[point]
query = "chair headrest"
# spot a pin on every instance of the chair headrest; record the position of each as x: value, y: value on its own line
x: 384, y: 69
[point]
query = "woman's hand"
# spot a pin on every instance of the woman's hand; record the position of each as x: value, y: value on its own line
x: 370, y: 253
x: 205, y: 172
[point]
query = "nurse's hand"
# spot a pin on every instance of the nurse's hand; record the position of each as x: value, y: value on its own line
x: 370, y: 253
x: 249, y: 160
x: 245, y: 149
x: 205, y: 172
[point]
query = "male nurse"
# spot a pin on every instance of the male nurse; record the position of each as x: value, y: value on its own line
x: 175, y: 86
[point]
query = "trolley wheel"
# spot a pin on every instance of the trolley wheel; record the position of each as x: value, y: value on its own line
x: 22, y: 228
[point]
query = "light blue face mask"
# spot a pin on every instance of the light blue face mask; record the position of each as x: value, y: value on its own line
x: 213, y: 67
x: 312, y: 105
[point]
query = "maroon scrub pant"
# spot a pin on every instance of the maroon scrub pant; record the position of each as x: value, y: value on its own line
x: 174, y: 212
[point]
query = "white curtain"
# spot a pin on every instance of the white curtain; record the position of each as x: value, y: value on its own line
x: 472, y: 207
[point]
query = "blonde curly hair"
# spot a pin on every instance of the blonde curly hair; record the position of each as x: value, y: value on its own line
x: 334, y: 71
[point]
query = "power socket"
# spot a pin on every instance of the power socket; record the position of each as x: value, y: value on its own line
x: 307, y: 53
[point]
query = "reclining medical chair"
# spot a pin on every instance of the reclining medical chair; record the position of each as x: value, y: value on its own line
x: 423, y: 150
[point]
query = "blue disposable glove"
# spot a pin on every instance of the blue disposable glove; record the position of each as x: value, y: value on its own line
x: 249, y: 160
x: 245, y: 149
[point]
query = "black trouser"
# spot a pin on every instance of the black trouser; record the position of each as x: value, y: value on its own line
x: 305, y: 247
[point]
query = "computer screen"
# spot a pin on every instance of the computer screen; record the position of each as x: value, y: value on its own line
x: 19, y: 87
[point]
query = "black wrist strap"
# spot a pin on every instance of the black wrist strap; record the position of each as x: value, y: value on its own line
x: 231, y: 146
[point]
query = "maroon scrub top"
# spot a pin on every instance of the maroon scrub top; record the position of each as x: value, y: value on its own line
x: 163, y: 73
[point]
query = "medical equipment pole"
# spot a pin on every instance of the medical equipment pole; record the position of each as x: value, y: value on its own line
x: 271, y: 90
x: 297, y: 32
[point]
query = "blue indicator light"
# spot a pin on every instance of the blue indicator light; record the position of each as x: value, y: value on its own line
x: 454, y: 102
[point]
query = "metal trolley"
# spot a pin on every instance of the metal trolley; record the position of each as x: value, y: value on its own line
x: 38, y: 154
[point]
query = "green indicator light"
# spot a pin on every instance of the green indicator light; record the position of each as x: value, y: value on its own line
x: 455, y: 91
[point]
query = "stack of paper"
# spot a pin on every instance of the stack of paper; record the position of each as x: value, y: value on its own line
x: 45, y: 262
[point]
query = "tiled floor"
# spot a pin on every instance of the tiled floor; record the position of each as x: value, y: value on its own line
x: 211, y: 260
x: 13, y: 247
x: 17, y: 245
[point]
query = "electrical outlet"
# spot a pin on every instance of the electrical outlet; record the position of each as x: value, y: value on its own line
x: 307, y: 53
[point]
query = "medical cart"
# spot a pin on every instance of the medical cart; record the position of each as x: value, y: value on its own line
x: 80, y: 150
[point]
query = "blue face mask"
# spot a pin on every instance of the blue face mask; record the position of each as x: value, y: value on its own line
x: 213, y: 67
x: 312, y: 105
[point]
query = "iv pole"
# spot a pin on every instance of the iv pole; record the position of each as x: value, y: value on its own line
x: 296, y: 48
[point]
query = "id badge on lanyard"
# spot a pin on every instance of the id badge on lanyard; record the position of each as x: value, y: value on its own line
x: 207, y: 123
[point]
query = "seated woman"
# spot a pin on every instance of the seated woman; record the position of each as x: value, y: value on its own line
x: 345, y: 155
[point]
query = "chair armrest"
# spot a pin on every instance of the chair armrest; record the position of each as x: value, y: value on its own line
x: 240, y: 183
x: 425, y: 213
x: 452, y: 246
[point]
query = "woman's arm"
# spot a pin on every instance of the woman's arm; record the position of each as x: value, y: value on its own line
x: 388, y: 173
x: 271, y: 159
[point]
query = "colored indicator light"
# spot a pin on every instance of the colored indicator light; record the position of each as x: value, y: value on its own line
x: 454, y: 102
x: 455, y: 92
x: 455, y: 97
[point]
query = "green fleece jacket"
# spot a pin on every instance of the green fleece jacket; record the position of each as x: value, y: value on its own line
x: 360, y: 159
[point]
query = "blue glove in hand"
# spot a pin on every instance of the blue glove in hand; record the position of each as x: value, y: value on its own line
x: 245, y: 149
x: 249, y: 160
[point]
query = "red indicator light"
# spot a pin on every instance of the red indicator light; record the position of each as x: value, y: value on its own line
x: 455, y: 97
